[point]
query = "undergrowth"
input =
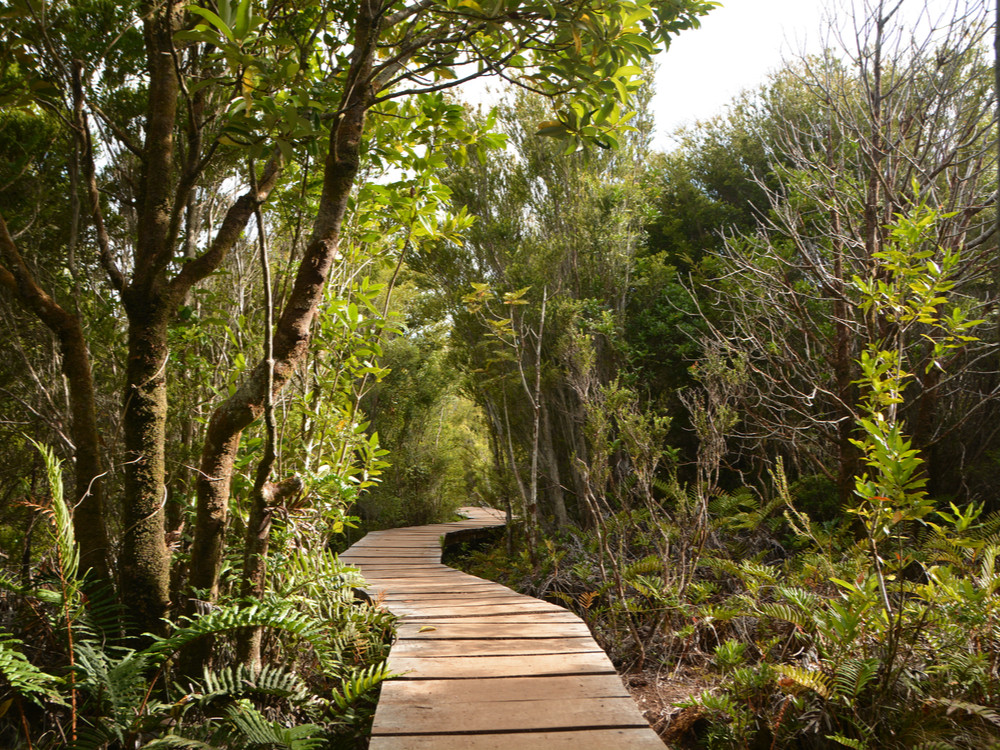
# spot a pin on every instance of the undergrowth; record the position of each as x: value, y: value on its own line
x: 71, y: 680
x: 878, y: 630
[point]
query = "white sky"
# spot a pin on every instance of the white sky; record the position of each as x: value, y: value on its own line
x: 735, y: 48
x: 738, y: 44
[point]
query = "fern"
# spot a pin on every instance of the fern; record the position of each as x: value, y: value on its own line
x: 176, y: 742
x: 805, y: 600
x: 23, y: 676
x: 117, y: 685
x: 274, y: 615
x: 67, y: 554
x: 793, y: 676
x: 243, y: 681
x: 254, y: 731
x: 361, y: 683
x: 847, y: 742
x: 648, y: 565
x: 779, y: 611
x: 720, y: 702
x: 649, y: 586
x: 853, y: 676
x: 986, y: 714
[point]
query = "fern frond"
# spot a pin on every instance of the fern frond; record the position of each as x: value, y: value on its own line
x: 117, y: 683
x: 721, y: 702
x: 10, y: 583
x: 709, y: 613
x: 750, y: 571
x: 805, y: 600
x: 778, y: 611
x: 818, y: 682
x: 176, y: 742
x: 58, y: 512
x: 251, y: 726
x: 23, y: 676
x: 243, y: 681
x: 273, y: 615
x: 853, y: 676
x: 847, y: 741
x: 360, y: 683
x: 649, y: 565
x: 973, y: 709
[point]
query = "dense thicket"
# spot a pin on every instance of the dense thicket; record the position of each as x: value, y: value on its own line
x: 264, y: 283
x: 811, y: 299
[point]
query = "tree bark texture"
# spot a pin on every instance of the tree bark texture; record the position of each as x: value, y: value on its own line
x: 292, y: 333
x: 89, y: 523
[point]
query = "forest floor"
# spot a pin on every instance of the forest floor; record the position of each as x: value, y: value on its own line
x: 656, y: 691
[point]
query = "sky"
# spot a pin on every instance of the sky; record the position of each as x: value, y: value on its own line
x: 735, y: 48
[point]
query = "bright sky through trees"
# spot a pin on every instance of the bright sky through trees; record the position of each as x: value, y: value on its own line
x: 735, y: 48
x: 740, y: 42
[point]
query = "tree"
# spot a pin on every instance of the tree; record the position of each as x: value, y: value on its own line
x: 551, y: 256
x: 184, y: 93
x: 892, y: 123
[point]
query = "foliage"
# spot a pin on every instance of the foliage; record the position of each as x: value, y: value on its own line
x: 83, y: 686
x: 892, y: 655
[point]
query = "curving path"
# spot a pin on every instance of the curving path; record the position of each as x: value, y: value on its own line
x: 483, y: 667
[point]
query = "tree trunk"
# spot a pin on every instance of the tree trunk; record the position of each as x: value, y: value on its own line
x: 291, y: 340
x: 89, y: 522
x: 556, y: 496
x: 145, y: 563
x: 996, y: 207
x: 265, y: 498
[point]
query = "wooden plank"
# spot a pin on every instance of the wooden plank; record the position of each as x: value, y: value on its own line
x: 437, y: 647
x: 494, y: 628
x: 592, y: 739
x: 496, y: 604
x: 454, y: 598
x: 380, y: 553
x: 421, y: 612
x: 503, y: 689
x: 457, y: 667
x: 525, y: 618
x: 455, y: 585
x: 439, y: 717
x: 488, y: 611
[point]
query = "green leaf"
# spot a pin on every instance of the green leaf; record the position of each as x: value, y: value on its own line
x: 214, y: 20
x: 242, y: 25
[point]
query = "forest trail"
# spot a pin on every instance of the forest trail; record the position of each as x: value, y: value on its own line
x: 482, y: 666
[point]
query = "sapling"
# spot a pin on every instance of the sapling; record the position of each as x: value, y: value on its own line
x: 912, y: 297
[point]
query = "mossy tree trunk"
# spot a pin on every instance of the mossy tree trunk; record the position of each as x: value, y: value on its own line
x: 89, y: 523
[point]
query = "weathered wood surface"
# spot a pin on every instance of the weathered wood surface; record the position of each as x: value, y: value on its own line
x: 483, y: 667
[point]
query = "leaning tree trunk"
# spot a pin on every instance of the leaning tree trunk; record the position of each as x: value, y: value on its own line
x: 292, y: 333
x: 89, y: 522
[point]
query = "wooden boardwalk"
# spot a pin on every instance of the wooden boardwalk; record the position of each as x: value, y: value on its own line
x: 483, y: 667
